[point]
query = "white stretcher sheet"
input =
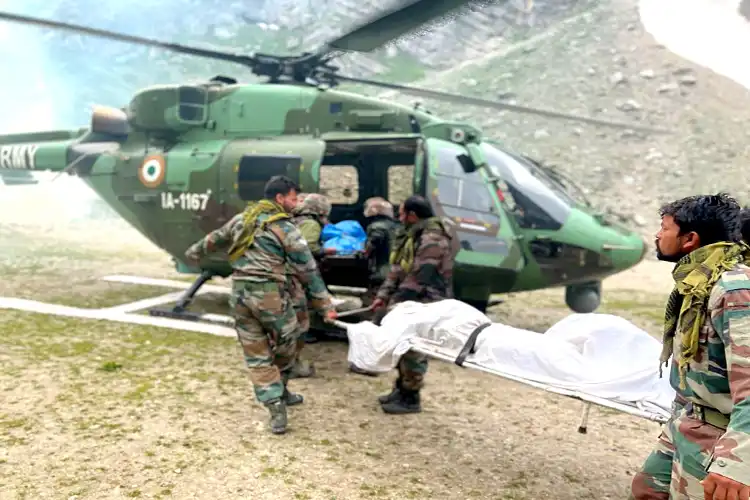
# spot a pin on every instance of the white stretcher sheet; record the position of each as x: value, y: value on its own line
x: 602, y: 355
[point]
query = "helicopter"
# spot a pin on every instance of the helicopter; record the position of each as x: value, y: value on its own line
x: 181, y: 159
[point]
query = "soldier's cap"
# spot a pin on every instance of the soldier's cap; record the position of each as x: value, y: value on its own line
x: 314, y: 203
x: 378, y: 206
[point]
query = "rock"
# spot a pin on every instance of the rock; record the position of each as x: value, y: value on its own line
x: 618, y: 79
x: 682, y: 71
x: 652, y: 155
x: 668, y: 87
x: 647, y: 74
x: 640, y: 220
x: 540, y: 134
x: 629, y: 105
x: 470, y: 82
x: 687, y: 80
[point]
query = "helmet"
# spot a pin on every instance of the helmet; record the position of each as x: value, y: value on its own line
x: 378, y: 206
x: 314, y: 203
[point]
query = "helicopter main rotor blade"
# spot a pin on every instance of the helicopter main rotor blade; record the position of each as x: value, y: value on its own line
x: 175, y: 47
x: 392, y: 24
x: 445, y: 96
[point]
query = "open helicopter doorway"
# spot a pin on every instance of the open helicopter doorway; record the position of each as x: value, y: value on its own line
x: 356, y: 169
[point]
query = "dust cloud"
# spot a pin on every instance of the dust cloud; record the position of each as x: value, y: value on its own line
x: 66, y: 210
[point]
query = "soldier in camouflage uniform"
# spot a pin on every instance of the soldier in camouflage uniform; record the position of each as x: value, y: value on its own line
x: 263, y: 245
x: 381, y: 226
x: 310, y: 215
x: 421, y: 270
x: 704, y: 448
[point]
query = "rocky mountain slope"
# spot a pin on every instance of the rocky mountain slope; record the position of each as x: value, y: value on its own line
x: 603, y: 64
x: 88, y: 70
x: 586, y: 56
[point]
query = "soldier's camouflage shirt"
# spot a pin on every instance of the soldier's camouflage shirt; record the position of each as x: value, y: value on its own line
x: 310, y: 229
x: 378, y: 246
x: 431, y: 275
x: 278, y: 250
x: 719, y: 376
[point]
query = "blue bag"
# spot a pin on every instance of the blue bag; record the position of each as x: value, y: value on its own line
x: 347, y: 237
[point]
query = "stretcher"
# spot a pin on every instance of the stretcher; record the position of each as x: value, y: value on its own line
x: 463, y: 358
x: 640, y: 393
x: 465, y: 353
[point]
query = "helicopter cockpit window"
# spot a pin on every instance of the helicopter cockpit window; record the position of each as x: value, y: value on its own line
x: 463, y: 195
x: 193, y: 104
x: 539, y: 203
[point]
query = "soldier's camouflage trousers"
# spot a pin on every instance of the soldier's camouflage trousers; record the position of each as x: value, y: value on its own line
x: 267, y: 330
x: 412, y: 366
x: 299, y: 303
x: 679, y: 461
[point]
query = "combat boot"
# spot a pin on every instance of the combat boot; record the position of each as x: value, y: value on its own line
x: 407, y: 402
x: 277, y: 409
x: 393, y: 395
x: 292, y: 398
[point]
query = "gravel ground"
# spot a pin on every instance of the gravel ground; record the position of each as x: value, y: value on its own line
x: 93, y: 410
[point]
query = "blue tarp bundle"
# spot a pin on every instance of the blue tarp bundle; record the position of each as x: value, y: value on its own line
x: 347, y: 237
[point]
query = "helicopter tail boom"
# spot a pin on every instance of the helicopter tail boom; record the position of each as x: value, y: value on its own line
x: 36, y: 151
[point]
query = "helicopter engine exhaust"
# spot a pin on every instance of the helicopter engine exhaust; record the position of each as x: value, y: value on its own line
x: 108, y: 121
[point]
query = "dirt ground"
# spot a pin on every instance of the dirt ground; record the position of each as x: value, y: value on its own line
x: 92, y: 410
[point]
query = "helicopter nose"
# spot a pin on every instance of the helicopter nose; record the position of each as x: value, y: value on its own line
x: 628, y: 252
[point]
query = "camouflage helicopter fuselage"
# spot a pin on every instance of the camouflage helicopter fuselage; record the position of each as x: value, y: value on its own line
x: 183, y: 159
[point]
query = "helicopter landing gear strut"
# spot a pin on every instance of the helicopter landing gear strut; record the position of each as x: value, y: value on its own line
x: 178, y: 311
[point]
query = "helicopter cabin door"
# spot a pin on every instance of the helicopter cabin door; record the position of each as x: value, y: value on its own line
x: 250, y: 163
x: 490, y: 257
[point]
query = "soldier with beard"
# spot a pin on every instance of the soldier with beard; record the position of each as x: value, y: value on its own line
x: 704, y: 448
x: 263, y: 246
x: 421, y: 270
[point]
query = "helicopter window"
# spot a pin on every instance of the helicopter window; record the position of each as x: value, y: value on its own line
x: 539, y: 202
x: 463, y: 195
x: 340, y: 183
x: 255, y: 170
x: 400, y: 181
x: 193, y: 104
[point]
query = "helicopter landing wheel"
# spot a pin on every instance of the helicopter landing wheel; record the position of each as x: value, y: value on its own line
x: 584, y: 298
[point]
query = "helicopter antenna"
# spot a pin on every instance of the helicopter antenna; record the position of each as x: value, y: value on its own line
x: 315, y: 68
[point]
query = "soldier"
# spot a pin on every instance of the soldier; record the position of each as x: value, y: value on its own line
x: 422, y: 271
x: 745, y: 224
x: 310, y: 215
x: 263, y: 244
x: 704, y: 449
x: 380, y: 228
